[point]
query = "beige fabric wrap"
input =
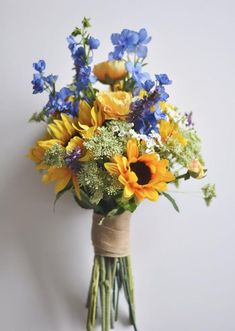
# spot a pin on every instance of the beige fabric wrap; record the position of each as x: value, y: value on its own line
x: 112, y: 237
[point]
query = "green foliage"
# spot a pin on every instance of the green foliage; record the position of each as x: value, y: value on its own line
x: 209, y: 192
x: 38, y: 117
x: 86, y: 22
x: 130, y: 204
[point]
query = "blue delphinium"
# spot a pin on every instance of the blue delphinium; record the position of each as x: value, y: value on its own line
x: 83, y: 75
x: 138, y: 76
x: 40, y: 66
x: 77, y: 51
x: 58, y: 102
x: 41, y: 82
x: 163, y: 79
x: 131, y: 42
x: 93, y: 43
x: 38, y: 83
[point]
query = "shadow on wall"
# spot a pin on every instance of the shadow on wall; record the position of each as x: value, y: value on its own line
x: 46, y: 252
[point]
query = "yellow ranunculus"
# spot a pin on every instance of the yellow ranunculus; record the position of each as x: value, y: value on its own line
x: 196, y: 169
x: 114, y: 105
x: 110, y: 71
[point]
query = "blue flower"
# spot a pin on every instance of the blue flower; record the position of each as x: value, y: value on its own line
x: 138, y: 76
x: 148, y: 85
x: 131, y: 42
x: 51, y: 79
x: 38, y: 83
x: 58, y: 103
x: 93, y: 43
x: 163, y: 79
x: 161, y: 92
x: 145, y: 113
x: 83, y: 78
x: 40, y: 66
x: 77, y: 51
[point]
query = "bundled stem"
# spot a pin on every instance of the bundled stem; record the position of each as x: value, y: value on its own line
x: 110, y: 275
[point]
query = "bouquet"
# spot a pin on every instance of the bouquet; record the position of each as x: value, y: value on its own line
x: 112, y: 139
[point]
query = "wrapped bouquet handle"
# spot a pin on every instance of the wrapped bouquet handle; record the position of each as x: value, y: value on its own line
x: 111, y: 270
x: 112, y: 237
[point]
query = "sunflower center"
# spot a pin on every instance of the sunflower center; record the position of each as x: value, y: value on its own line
x: 142, y: 171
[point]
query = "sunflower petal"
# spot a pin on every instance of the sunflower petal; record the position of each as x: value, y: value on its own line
x: 112, y: 168
x: 76, y: 186
x: 68, y: 124
x: 128, y: 192
x: 132, y: 150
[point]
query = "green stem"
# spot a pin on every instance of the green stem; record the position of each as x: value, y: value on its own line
x: 103, y: 291
x: 126, y: 286
x: 93, y: 295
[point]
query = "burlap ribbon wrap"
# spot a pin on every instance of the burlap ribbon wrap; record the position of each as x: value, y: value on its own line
x: 112, y: 237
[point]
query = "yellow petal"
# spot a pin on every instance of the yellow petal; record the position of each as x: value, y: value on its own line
x: 112, y: 168
x: 76, y: 186
x: 127, y: 193
x: 46, y: 144
x: 132, y: 150
x: 68, y: 124
x: 73, y: 143
x: 151, y: 194
x: 62, y: 183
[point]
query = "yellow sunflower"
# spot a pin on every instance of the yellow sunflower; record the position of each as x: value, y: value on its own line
x: 63, y: 133
x: 89, y: 119
x: 143, y: 176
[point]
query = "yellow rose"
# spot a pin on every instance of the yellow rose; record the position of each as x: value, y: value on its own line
x: 196, y: 169
x: 114, y: 105
x: 110, y: 71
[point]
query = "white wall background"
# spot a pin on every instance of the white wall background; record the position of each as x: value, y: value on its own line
x: 183, y: 264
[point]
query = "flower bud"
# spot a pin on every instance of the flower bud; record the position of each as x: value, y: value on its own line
x: 196, y: 169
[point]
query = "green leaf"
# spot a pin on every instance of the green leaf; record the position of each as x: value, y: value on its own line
x: 169, y: 197
x: 77, y: 31
x: 130, y: 204
x: 85, y: 201
x: 38, y: 117
x: 59, y: 195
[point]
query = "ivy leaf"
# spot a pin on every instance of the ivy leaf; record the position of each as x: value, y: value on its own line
x: 169, y: 197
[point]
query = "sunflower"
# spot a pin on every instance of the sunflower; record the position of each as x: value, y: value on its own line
x: 60, y: 132
x: 89, y: 119
x: 141, y: 175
